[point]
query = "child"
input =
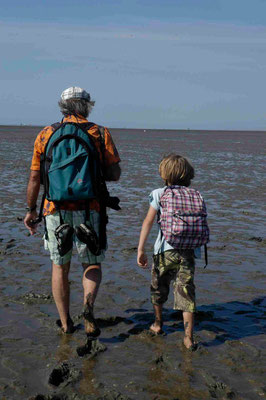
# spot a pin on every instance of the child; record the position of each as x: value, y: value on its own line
x: 170, y: 263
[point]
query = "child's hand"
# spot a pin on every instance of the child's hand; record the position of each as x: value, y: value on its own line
x: 142, y: 259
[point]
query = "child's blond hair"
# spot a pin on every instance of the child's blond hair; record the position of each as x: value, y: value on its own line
x: 176, y: 170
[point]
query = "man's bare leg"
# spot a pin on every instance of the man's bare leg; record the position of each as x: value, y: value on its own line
x: 61, y: 291
x: 156, y: 327
x: 92, y: 277
x: 188, y: 318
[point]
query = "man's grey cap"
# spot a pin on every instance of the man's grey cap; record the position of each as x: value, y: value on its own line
x: 75, y: 92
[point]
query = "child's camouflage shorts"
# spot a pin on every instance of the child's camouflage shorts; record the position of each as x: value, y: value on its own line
x: 177, y: 266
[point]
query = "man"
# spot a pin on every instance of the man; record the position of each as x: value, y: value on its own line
x: 75, y: 105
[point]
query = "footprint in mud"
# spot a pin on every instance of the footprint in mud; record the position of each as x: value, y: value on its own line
x: 91, y: 348
x: 64, y: 373
x: 218, y: 389
x: 162, y: 363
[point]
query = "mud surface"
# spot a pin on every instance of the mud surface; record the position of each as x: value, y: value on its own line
x: 37, y: 362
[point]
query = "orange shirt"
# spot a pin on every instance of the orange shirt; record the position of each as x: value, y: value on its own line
x: 111, y: 157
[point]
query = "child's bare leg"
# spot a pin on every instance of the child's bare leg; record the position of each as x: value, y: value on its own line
x: 156, y: 327
x: 188, y: 327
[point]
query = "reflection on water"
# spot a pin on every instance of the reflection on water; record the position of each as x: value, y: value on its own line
x: 89, y: 384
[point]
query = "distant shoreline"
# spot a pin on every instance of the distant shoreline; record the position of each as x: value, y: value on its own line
x: 186, y: 130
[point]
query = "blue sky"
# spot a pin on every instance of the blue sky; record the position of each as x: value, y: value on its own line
x: 178, y: 64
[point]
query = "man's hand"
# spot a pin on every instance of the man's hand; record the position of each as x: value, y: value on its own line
x: 29, y: 217
x: 142, y: 259
x: 32, y: 196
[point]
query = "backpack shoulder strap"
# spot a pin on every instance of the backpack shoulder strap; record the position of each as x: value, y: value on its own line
x: 102, y: 139
x: 160, y: 206
x: 87, y: 125
x: 102, y: 133
x: 165, y: 189
x: 56, y: 125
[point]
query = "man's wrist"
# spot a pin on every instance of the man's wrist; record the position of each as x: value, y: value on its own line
x: 31, y: 209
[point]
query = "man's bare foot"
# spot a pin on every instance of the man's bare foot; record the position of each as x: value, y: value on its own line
x: 91, y: 328
x: 156, y: 328
x: 68, y: 328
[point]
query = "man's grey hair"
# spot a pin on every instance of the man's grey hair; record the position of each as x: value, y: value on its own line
x: 76, y: 106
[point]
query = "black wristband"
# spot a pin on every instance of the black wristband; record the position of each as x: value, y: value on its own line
x: 30, y: 209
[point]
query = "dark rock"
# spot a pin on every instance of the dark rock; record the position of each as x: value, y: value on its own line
x: 256, y: 238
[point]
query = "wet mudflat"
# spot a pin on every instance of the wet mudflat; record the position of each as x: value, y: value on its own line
x: 37, y: 362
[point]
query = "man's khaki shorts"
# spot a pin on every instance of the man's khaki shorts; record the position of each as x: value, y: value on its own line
x: 73, y: 218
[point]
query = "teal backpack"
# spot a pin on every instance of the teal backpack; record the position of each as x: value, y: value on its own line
x: 70, y: 164
x: 71, y: 170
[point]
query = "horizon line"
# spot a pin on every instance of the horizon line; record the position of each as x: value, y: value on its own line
x: 151, y: 129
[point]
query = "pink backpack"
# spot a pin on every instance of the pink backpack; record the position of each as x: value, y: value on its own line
x: 183, y: 219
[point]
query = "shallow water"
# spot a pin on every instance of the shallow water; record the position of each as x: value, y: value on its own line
x: 230, y: 321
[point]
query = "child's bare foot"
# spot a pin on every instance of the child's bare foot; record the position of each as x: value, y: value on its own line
x: 189, y: 343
